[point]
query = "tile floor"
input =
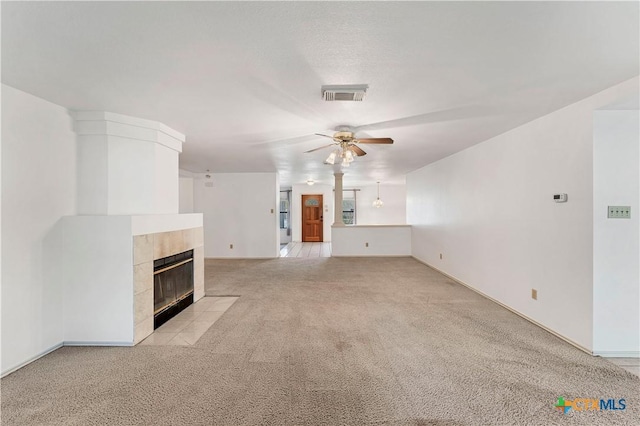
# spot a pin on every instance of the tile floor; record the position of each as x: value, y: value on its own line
x: 189, y: 325
x: 294, y: 249
x: 632, y: 365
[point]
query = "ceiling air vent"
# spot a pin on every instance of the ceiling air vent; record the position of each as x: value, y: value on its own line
x: 344, y: 93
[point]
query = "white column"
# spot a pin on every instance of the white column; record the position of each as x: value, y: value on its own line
x: 126, y: 165
x: 337, y: 206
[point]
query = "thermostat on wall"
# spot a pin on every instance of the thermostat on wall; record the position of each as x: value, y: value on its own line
x: 560, y: 198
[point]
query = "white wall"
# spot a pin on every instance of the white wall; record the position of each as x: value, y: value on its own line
x: 239, y: 209
x: 186, y: 195
x: 489, y: 211
x: 616, y: 253
x: 166, y: 180
x: 284, y: 238
x: 1, y: 137
x: 38, y: 187
x: 1, y: 365
x: 297, y: 191
x: 394, y: 211
x: 371, y: 240
x: 130, y: 190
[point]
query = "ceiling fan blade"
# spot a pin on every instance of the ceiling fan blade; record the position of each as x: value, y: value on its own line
x: 326, y: 136
x: 357, y: 150
x: 318, y: 149
x: 375, y: 140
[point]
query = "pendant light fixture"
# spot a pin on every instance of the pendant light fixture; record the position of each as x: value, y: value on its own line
x: 378, y: 202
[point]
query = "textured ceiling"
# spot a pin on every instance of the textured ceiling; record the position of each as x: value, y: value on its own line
x: 242, y: 80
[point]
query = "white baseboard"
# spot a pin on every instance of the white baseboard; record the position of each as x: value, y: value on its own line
x: 520, y: 314
x: 370, y: 255
x: 102, y: 343
x: 617, y: 354
x: 243, y: 258
x: 30, y: 360
x: 58, y: 346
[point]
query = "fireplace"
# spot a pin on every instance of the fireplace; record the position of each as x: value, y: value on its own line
x: 172, y: 286
x: 127, y: 212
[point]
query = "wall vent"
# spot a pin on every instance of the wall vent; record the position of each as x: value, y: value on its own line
x: 344, y: 93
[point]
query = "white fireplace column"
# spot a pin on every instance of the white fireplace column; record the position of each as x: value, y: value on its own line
x: 337, y: 210
x: 126, y: 165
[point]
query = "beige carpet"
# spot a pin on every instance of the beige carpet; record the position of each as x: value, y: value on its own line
x: 329, y: 341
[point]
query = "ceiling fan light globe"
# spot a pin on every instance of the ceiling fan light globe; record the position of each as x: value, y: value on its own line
x: 331, y: 159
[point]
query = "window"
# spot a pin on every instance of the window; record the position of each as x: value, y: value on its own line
x: 349, y: 206
x: 285, y: 213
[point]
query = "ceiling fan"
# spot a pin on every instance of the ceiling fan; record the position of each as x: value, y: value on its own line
x: 348, y: 150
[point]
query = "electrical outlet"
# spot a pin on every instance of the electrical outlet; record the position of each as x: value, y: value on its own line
x: 366, y: 244
x: 619, y: 212
x: 440, y: 256
x: 534, y: 294
x: 231, y: 246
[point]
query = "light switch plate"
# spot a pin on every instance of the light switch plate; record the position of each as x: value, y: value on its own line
x: 619, y: 212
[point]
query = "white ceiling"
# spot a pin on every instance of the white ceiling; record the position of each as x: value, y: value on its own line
x: 242, y: 80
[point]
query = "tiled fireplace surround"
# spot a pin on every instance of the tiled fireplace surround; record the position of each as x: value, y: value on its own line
x: 150, y: 247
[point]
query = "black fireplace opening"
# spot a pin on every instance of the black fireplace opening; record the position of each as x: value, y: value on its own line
x: 172, y: 286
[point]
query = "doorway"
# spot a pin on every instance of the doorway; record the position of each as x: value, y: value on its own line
x: 312, y: 219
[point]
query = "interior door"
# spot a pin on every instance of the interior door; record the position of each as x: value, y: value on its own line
x: 312, y: 218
